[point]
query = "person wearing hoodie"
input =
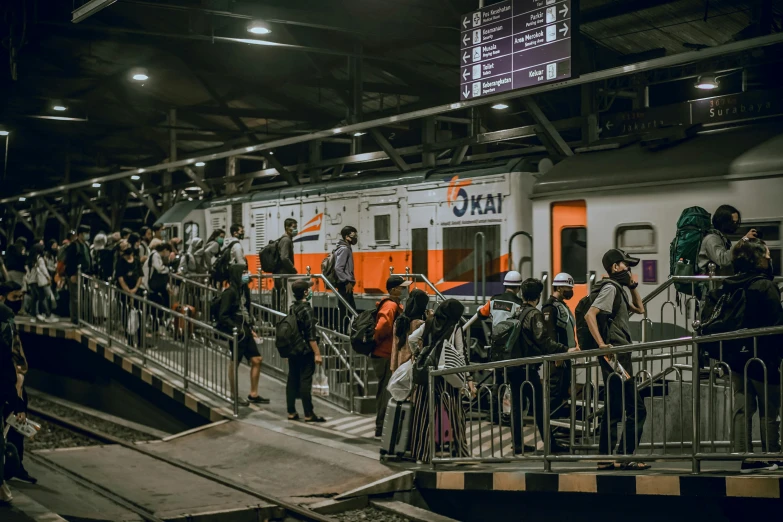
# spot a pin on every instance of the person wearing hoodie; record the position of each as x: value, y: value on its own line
x: 212, y: 247
x: 234, y: 245
x: 10, y: 401
x: 285, y: 246
x: 753, y: 271
x: 343, y: 269
x: 235, y: 314
x: 188, y: 263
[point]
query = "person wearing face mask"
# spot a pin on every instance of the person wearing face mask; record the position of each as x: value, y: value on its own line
x: 212, y: 248
x: 561, y: 325
x: 285, y: 247
x: 716, y: 247
x: 77, y: 255
x: 611, y: 301
x: 343, y: 269
x: 235, y: 314
x: 234, y: 245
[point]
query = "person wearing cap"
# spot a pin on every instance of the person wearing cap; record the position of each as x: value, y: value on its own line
x: 388, y: 310
x: 612, y: 302
x: 561, y: 325
x: 301, y: 368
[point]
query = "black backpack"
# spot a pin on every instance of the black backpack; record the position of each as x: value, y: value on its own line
x: 723, y: 311
x: 327, y: 267
x: 220, y: 269
x: 583, y: 335
x: 214, y: 307
x: 505, y: 335
x: 363, y: 330
x: 157, y: 282
x: 270, y: 257
x: 288, y: 338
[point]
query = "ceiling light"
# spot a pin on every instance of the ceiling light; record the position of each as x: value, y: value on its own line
x: 200, y: 164
x: 135, y: 178
x: 272, y: 152
x: 60, y: 108
x: 193, y: 189
x: 357, y: 134
x: 258, y: 27
x: 190, y: 199
x: 707, y: 82
x: 4, y: 133
x: 22, y: 198
x: 500, y: 106
x: 139, y: 74
x: 96, y: 185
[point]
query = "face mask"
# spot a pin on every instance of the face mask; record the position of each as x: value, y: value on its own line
x: 220, y: 241
x: 568, y: 293
x: 624, y: 278
x: 245, y: 279
x: 15, y: 306
x: 309, y: 296
x: 86, y: 237
x: 353, y: 240
x: 241, y: 236
x: 732, y: 227
x: 294, y: 231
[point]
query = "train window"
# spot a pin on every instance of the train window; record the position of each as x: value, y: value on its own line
x: 191, y: 231
x: 459, y: 252
x: 573, y: 252
x: 769, y: 231
x: 636, y: 238
x: 383, y: 229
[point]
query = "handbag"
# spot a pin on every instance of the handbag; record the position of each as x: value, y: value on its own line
x: 320, y: 382
x: 451, y: 357
x: 401, y: 382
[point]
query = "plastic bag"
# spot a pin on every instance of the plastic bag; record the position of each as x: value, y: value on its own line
x: 507, y: 401
x: 401, y: 382
x: 133, y: 321
x: 320, y: 382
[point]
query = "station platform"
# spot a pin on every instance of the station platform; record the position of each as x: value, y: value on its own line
x: 25, y: 509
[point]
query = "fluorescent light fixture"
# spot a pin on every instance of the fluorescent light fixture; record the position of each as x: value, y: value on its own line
x: 135, y: 178
x: 258, y: 27
x: 140, y: 77
x: 139, y: 74
x: 200, y: 164
x: 60, y: 108
x: 358, y: 133
x: 500, y: 106
x: 193, y: 189
x: 4, y: 133
x: 190, y: 199
x: 272, y: 152
x: 89, y: 9
x: 707, y: 82
x: 22, y: 198
x: 96, y: 185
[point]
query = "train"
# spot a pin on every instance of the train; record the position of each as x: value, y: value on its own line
x: 465, y: 227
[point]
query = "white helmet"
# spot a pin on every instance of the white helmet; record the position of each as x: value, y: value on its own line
x: 563, y: 279
x: 513, y: 278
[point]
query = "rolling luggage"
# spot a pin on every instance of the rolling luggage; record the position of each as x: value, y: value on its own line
x: 396, y: 428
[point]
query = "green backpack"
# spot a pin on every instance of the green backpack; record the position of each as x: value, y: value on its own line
x: 693, y: 225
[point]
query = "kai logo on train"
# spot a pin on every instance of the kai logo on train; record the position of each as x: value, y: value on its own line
x: 311, y: 230
x: 478, y: 204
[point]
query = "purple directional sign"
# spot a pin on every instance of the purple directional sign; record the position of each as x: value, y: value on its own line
x: 515, y: 44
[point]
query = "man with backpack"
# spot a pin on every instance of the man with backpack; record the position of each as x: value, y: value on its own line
x: 606, y: 323
x: 285, y: 266
x: 561, y: 325
x: 301, y: 366
x: 77, y: 254
x: 236, y: 253
x: 344, y: 273
x: 155, y: 275
x: 716, y: 247
x: 388, y: 310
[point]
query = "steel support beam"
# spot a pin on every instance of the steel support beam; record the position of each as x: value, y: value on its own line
x: 557, y: 142
x: 172, y: 121
x: 197, y: 179
x: 315, y: 150
x: 55, y: 213
x: 136, y: 193
x: 389, y: 149
x: 287, y: 175
x: 428, y: 158
x: 625, y: 70
x: 20, y: 217
x: 95, y: 208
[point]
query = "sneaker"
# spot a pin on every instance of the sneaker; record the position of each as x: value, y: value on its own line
x: 257, y: 399
x: 5, y: 493
x: 24, y: 476
x: 41, y: 318
x: 757, y: 465
x: 52, y: 319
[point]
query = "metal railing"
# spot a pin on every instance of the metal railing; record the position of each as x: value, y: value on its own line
x: 694, y: 419
x: 420, y: 278
x: 182, y: 345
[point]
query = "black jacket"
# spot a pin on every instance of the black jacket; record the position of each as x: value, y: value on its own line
x: 8, y: 394
x: 230, y: 315
x: 14, y: 260
x: 285, y: 246
x: 305, y: 320
x: 76, y: 254
x: 534, y: 335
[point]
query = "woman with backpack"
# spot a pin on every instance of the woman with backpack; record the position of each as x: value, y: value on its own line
x: 413, y: 316
x: 39, y: 284
x: 441, y: 327
x: 212, y: 248
x: 752, y: 285
x: 189, y: 262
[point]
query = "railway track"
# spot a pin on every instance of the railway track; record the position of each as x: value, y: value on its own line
x: 293, y: 511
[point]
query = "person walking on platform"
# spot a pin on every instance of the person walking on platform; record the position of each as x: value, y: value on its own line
x: 610, y: 300
x: 235, y: 313
x: 77, y: 255
x: 285, y: 247
x: 412, y: 317
x: 234, y: 245
x: 343, y: 269
x: 388, y: 310
x: 157, y: 236
x: 301, y: 368
x: 561, y: 326
x: 716, y: 247
x: 10, y: 401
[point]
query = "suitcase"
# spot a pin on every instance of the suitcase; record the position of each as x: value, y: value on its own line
x: 396, y: 428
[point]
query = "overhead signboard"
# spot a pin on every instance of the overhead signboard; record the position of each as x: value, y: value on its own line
x: 515, y: 44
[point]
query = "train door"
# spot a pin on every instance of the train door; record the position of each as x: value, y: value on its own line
x: 425, y: 256
x: 569, y: 245
x: 380, y: 231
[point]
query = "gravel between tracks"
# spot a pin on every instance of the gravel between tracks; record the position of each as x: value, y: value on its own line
x: 54, y: 436
x: 368, y: 515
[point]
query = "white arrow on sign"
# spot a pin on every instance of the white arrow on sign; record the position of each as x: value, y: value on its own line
x: 466, y: 92
x: 465, y: 75
x: 609, y: 125
x: 465, y: 39
x: 564, y: 10
x: 564, y: 29
x: 465, y: 22
x: 465, y: 57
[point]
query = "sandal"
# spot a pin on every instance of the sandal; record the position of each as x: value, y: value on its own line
x: 294, y: 417
x: 635, y: 466
x: 314, y: 418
